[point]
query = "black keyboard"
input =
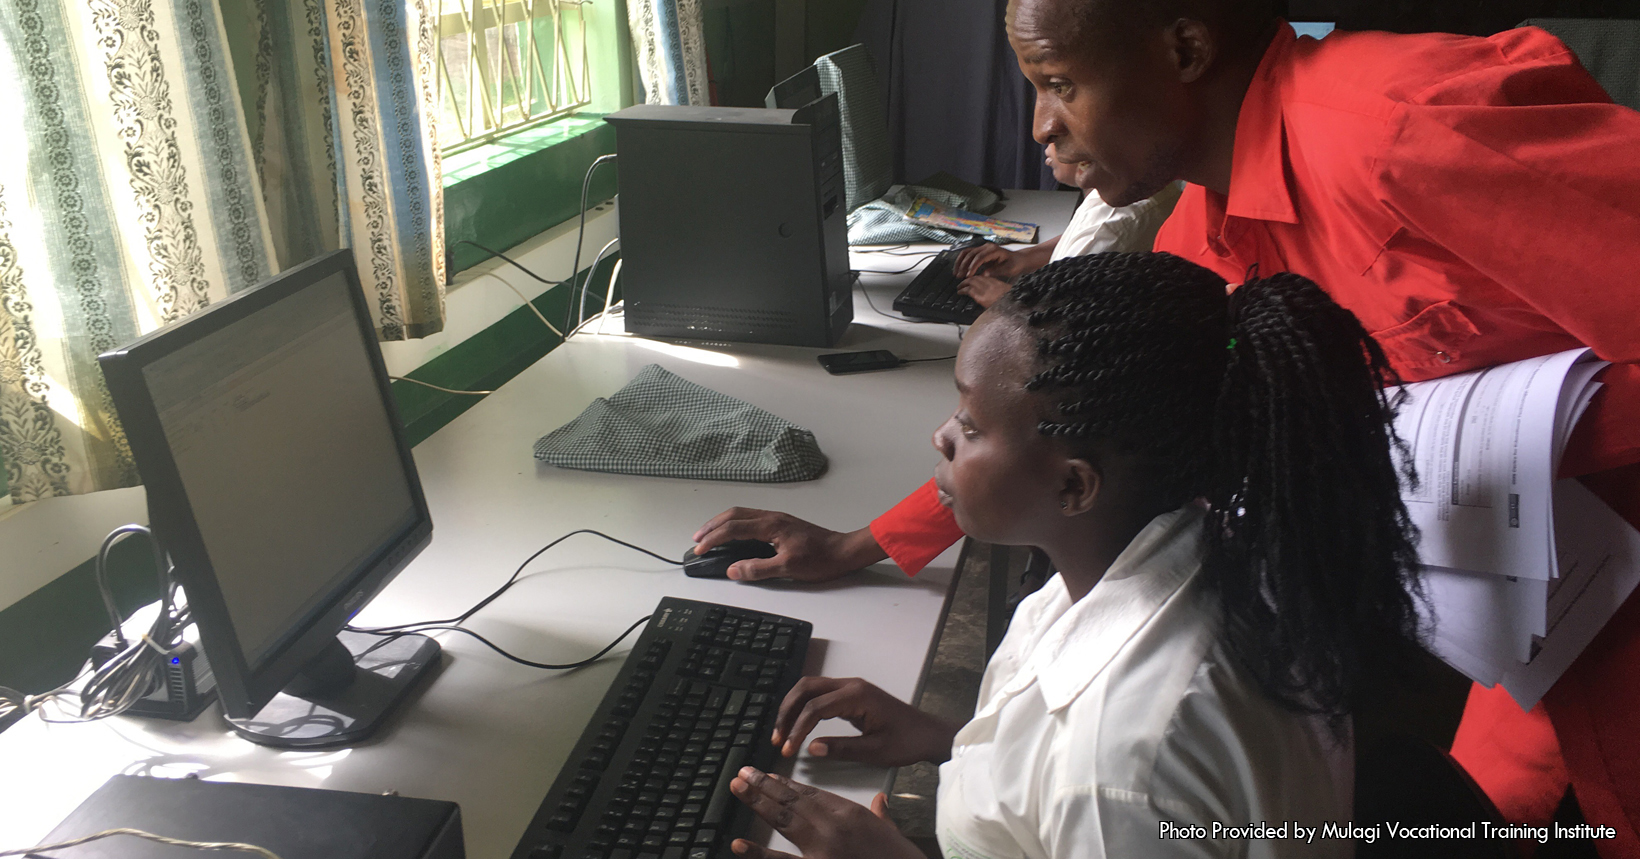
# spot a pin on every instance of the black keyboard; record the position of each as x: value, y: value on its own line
x: 933, y: 294
x: 694, y: 703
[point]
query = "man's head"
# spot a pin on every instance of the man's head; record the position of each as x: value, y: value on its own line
x: 1129, y: 86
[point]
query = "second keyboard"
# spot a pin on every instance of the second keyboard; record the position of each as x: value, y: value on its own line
x: 695, y: 702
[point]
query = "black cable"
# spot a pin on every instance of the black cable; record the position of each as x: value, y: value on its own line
x: 893, y: 316
x: 512, y: 580
x: 518, y: 659
x: 510, y: 260
x: 115, y: 536
x: 919, y: 360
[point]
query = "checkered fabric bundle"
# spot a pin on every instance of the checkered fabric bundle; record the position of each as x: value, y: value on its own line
x: 661, y: 425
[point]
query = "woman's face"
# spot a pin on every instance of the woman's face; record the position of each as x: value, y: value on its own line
x: 1002, y: 479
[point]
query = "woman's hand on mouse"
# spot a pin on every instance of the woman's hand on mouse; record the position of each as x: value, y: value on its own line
x: 892, y: 732
x: 823, y: 825
x: 803, y: 551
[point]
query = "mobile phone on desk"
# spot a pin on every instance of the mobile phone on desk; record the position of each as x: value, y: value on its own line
x: 840, y: 363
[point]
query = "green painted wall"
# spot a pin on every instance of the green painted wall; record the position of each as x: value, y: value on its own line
x: 499, y: 196
x: 44, y: 638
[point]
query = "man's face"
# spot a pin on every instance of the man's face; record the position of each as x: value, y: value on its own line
x: 1121, y: 112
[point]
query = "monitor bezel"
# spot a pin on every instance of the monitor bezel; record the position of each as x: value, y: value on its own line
x: 780, y: 96
x: 245, y: 688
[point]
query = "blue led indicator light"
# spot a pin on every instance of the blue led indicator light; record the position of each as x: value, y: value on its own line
x: 176, y: 660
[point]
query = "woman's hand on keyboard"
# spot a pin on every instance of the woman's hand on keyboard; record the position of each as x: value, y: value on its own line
x: 984, y: 289
x: 803, y: 551
x: 987, y: 258
x: 823, y: 825
x: 892, y: 732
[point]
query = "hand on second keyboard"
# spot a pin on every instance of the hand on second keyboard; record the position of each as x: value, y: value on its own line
x: 892, y: 732
x: 984, y: 289
x: 823, y: 825
x: 987, y: 258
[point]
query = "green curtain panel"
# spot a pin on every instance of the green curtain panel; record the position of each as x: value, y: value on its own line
x: 132, y: 193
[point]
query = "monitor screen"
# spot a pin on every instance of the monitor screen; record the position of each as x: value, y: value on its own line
x: 280, y: 484
x: 286, y: 454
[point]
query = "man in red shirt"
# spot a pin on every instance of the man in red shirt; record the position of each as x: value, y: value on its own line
x: 1473, y: 201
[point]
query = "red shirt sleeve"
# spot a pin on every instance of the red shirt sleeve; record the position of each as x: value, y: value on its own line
x: 914, y: 531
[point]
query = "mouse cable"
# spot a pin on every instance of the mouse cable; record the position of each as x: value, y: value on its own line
x: 264, y: 852
x: 512, y: 580
x: 920, y: 360
x: 547, y: 666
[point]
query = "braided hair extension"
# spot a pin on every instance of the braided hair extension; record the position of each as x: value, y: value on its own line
x: 1271, y: 405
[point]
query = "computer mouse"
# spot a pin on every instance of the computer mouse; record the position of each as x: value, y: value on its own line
x: 715, y: 563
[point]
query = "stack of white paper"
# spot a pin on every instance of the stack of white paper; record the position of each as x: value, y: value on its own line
x: 1521, y: 570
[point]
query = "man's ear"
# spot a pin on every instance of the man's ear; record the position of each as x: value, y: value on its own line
x: 1082, y: 485
x: 1193, y: 48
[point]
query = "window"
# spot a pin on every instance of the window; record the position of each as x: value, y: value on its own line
x: 509, y: 64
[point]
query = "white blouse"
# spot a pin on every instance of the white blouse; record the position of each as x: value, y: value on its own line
x: 1105, y: 721
x: 1097, y: 227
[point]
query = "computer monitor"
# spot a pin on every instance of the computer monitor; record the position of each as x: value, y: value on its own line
x: 868, y: 167
x: 281, y: 485
x: 794, y: 92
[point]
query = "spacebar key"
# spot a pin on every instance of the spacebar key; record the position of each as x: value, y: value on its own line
x: 718, y: 808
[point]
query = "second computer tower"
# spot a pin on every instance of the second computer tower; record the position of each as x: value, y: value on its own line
x: 733, y: 223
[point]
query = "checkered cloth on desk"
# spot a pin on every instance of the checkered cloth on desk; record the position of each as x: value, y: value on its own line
x: 661, y: 425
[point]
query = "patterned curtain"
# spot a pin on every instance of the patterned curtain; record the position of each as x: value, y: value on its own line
x: 669, y: 40
x: 350, y: 83
x: 131, y: 193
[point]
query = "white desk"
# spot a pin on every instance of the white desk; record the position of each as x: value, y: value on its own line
x: 491, y: 735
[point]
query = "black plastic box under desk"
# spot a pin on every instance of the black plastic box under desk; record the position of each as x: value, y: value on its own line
x: 293, y: 822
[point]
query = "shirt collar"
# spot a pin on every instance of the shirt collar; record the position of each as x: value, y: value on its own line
x: 1078, y: 644
x: 1258, y: 166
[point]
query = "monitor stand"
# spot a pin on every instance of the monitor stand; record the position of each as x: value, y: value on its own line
x: 344, y: 694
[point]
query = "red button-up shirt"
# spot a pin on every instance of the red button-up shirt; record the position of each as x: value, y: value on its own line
x: 1473, y: 201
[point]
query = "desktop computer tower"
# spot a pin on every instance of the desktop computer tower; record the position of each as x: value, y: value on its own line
x: 733, y: 223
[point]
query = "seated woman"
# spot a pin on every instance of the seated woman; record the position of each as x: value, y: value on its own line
x: 1213, y: 477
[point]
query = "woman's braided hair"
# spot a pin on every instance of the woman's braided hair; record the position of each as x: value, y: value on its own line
x: 1272, y: 405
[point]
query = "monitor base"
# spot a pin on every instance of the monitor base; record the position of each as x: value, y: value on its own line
x: 386, y: 671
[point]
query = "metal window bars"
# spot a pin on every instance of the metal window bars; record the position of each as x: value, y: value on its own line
x: 504, y: 65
